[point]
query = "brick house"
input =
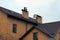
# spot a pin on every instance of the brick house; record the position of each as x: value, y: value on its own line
x: 15, y: 26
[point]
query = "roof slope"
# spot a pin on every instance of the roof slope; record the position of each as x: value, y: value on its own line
x: 49, y: 29
x: 17, y: 15
x: 38, y: 28
x: 52, y: 28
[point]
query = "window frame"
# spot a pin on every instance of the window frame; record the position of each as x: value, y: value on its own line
x: 14, y: 28
x: 35, y: 36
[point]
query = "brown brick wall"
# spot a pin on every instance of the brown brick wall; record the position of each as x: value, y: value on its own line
x: 21, y: 27
x: 3, y: 23
x: 41, y: 36
x: 6, y: 25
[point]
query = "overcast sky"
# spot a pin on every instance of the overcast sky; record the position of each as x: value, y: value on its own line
x: 48, y: 9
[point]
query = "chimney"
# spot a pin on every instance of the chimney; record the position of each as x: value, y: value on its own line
x: 25, y: 13
x: 38, y: 18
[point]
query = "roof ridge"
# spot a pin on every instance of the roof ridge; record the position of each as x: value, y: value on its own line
x: 52, y: 22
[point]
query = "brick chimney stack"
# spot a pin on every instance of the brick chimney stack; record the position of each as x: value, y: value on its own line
x: 38, y: 18
x: 25, y: 13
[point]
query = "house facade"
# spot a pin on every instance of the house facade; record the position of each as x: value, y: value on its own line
x: 15, y: 26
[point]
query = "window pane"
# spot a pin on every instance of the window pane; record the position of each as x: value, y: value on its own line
x: 14, y: 28
x: 35, y: 36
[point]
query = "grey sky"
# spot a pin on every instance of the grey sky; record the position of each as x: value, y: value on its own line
x: 48, y: 9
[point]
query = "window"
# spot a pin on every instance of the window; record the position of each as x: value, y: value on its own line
x: 14, y: 28
x: 35, y: 36
x: 51, y: 39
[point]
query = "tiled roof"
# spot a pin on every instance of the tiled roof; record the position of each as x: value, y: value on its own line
x: 52, y: 28
x: 18, y: 16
